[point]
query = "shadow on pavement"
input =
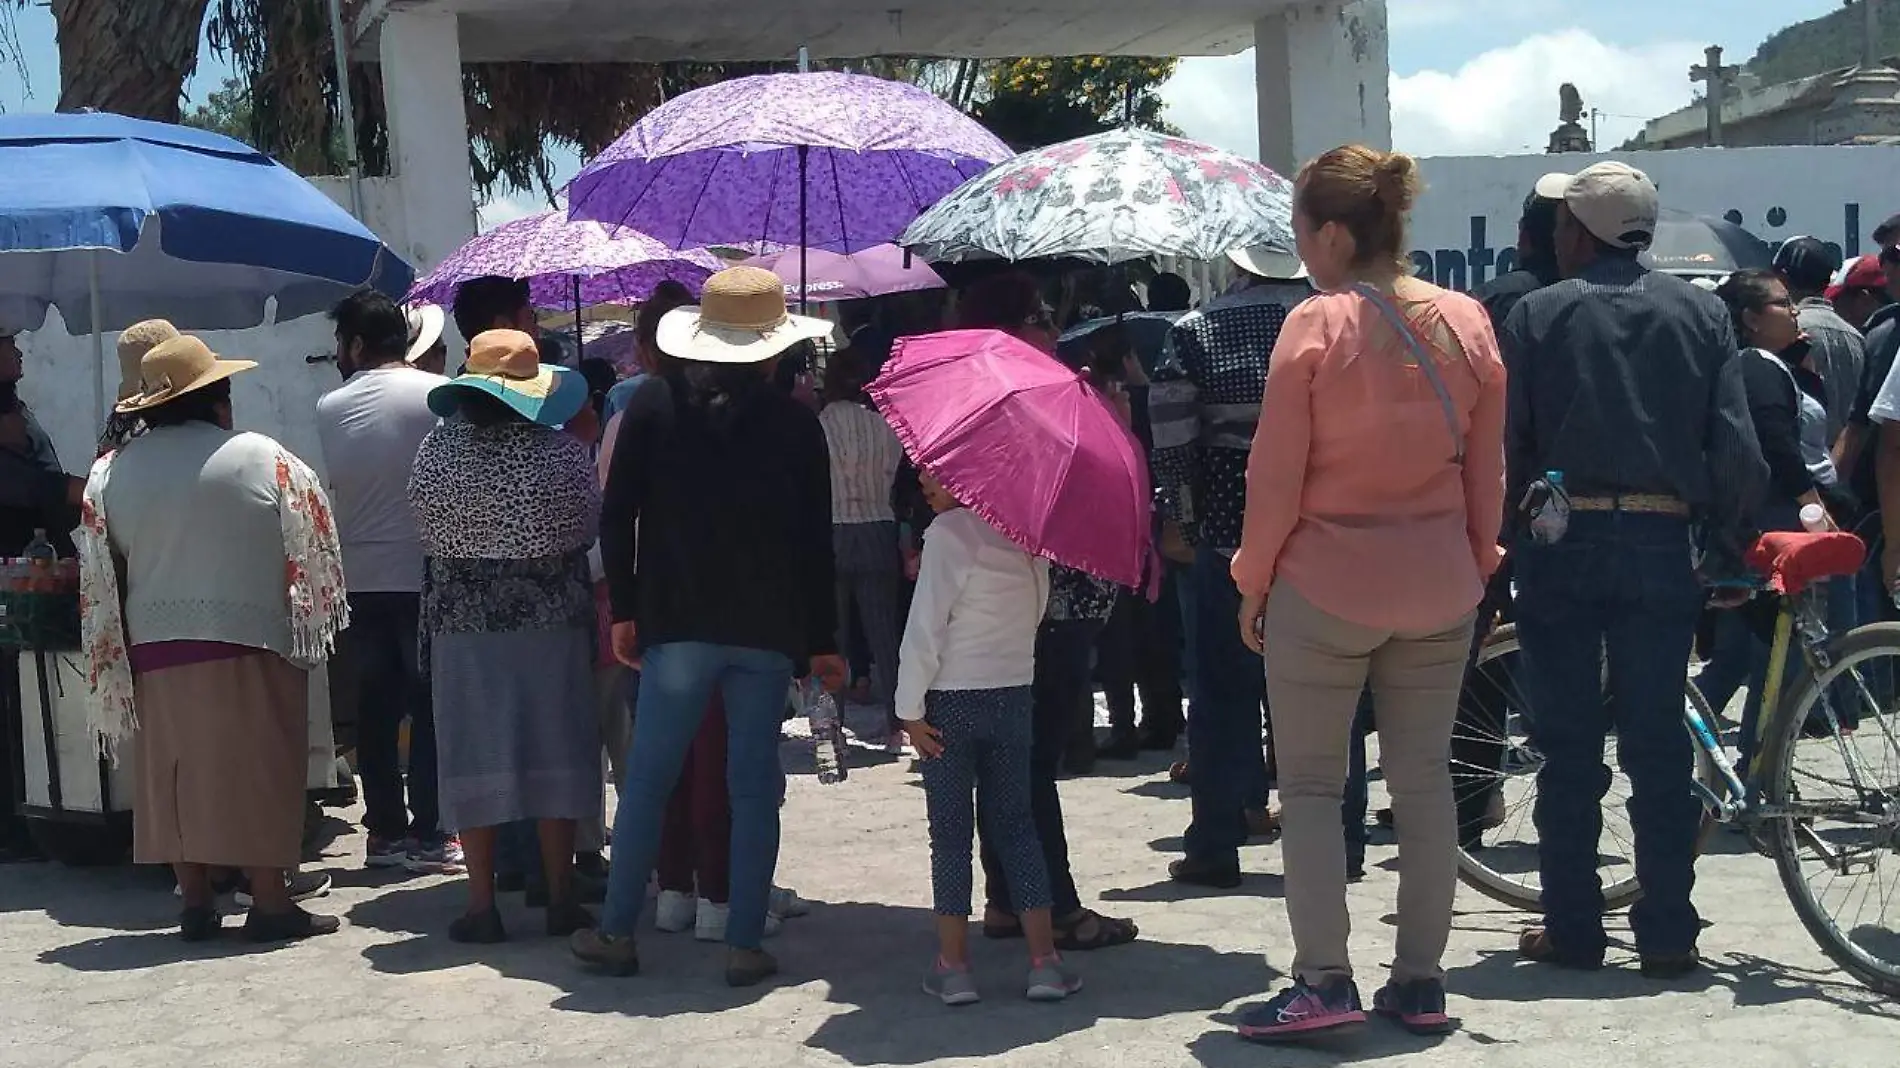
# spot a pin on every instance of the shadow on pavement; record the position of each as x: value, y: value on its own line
x: 1253, y: 884
x: 1500, y: 975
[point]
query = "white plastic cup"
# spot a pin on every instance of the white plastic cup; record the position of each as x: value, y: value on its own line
x: 1814, y: 519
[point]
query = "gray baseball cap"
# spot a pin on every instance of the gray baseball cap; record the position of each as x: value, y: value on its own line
x: 1617, y: 203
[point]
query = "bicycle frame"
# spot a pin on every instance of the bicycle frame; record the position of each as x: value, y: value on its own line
x: 1803, y: 614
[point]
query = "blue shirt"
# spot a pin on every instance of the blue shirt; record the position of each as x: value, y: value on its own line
x: 617, y: 396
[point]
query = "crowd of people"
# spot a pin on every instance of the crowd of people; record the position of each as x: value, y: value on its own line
x: 558, y: 577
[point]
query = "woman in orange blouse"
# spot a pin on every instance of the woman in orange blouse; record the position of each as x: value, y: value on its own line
x: 1375, y: 490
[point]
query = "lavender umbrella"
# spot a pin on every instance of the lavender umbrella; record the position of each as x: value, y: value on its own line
x: 875, y: 272
x: 567, y: 263
x: 822, y: 160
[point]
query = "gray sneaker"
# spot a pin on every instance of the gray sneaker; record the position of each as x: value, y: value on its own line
x: 952, y: 986
x: 1052, y: 980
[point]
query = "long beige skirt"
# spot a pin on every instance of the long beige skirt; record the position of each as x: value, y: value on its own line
x: 221, y: 763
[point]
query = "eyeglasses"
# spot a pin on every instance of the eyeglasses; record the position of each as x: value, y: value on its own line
x: 1042, y: 320
x: 1779, y: 302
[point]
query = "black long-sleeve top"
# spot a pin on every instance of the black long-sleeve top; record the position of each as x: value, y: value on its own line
x: 1773, y: 407
x: 720, y: 531
x: 1629, y: 381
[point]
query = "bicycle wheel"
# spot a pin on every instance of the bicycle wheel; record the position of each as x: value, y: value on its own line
x: 1497, y: 854
x: 1832, y: 803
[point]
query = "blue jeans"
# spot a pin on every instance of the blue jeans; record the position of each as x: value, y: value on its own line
x: 1224, y: 718
x: 1620, y: 584
x: 676, y: 681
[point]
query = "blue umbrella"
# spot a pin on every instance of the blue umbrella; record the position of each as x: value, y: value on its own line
x: 113, y: 220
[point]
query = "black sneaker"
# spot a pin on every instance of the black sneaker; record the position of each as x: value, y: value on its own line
x: 288, y: 926
x: 1418, y: 1005
x: 1194, y: 873
x: 303, y: 886
x: 200, y: 924
x: 478, y: 928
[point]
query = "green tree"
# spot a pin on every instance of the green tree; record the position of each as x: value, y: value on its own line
x: 1040, y: 101
x: 226, y: 111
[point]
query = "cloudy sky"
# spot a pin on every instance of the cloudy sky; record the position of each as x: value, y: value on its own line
x: 1469, y: 77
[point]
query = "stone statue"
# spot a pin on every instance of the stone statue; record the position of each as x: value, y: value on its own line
x: 1570, y: 136
x: 1572, y: 110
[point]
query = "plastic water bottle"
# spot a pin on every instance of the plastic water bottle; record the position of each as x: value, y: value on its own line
x: 827, y: 733
x: 1551, y: 521
x: 42, y: 564
x: 1814, y: 519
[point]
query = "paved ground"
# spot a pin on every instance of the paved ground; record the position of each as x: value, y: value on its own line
x: 92, y: 975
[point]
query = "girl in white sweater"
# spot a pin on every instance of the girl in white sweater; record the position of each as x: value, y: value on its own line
x: 963, y: 696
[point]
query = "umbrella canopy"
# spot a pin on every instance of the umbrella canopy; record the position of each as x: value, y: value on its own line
x: 1121, y: 195
x: 1695, y: 245
x: 1147, y: 333
x: 613, y: 264
x: 722, y: 165
x: 168, y: 222
x: 1024, y: 442
x: 876, y: 272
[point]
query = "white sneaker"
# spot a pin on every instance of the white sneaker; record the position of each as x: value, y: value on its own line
x: 710, y: 924
x: 787, y: 905
x: 674, y: 912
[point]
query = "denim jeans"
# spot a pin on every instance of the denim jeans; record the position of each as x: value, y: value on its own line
x: 1061, y: 686
x: 1620, y: 585
x: 1224, y: 718
x: 376, y: 657
x: 676, y: 681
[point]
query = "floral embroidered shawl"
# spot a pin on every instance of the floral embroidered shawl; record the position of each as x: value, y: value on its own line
x: 315, y: 595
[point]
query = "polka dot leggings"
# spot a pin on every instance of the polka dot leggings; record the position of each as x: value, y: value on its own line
x: 983, y: 772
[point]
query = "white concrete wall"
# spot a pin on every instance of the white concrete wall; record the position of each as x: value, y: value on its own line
x: 279, y: 398
x: 1468, y: 215
x: 1321, y: 78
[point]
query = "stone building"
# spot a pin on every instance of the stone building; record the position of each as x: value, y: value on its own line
x: 1850, y: 106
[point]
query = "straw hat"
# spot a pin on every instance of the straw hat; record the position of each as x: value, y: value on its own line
x: 1266, y: 261
x: 177, y: 367
x: 134, y: 342
x: 741, y: 318
x: 506, y: 365
x: 425, y: 329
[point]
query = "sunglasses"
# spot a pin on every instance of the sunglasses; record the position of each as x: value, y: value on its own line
x: 1042, y: 320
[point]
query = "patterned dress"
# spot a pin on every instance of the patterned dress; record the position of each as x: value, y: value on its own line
x: 506, y: 514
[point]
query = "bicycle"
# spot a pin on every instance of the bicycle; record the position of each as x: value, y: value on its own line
x: 1806, y: 746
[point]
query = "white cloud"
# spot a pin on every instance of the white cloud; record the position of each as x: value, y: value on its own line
x: 506, y: 209
x: 1505, y: 101
x: 1502, y: 102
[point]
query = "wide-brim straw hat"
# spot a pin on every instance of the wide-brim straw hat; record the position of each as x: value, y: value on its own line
x: 134, y: 342
x: 506, y: 365
x: 740, y: 318
x: 1267, y: 261
x: 175, y: 368
x: 425, y: 329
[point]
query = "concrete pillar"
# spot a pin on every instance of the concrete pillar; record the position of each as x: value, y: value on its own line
x: 1321, y: 73
x: 428, y: 132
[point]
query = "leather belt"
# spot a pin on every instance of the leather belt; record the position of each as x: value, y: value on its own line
x: 1634, y: 503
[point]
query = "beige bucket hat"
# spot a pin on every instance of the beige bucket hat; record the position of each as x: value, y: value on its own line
x: 740, y: 318
x: 134, y: 342
x: 177, y: 367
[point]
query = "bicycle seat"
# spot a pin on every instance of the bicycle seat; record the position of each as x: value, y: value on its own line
x: 1792, y: 561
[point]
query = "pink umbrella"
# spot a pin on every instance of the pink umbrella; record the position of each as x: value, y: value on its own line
x: 877, y: 271
x: 1027, y: 444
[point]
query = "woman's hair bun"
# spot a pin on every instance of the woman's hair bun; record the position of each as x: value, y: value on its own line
x: 1396, y: 178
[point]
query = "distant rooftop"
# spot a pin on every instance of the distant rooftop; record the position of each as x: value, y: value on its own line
x: 1751, y: 100
x: 659, y: 30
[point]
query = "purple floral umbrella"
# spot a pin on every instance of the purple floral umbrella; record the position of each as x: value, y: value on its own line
x: 1115, y: 196
x: 568, y: 263
x: 820, y: 160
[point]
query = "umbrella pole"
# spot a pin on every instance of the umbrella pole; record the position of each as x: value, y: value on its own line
x: 804, y: 302
x: 580, y: 328
x: 98, y: 344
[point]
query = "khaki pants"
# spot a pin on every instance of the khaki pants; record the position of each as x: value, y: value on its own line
x: 1317, y: 666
